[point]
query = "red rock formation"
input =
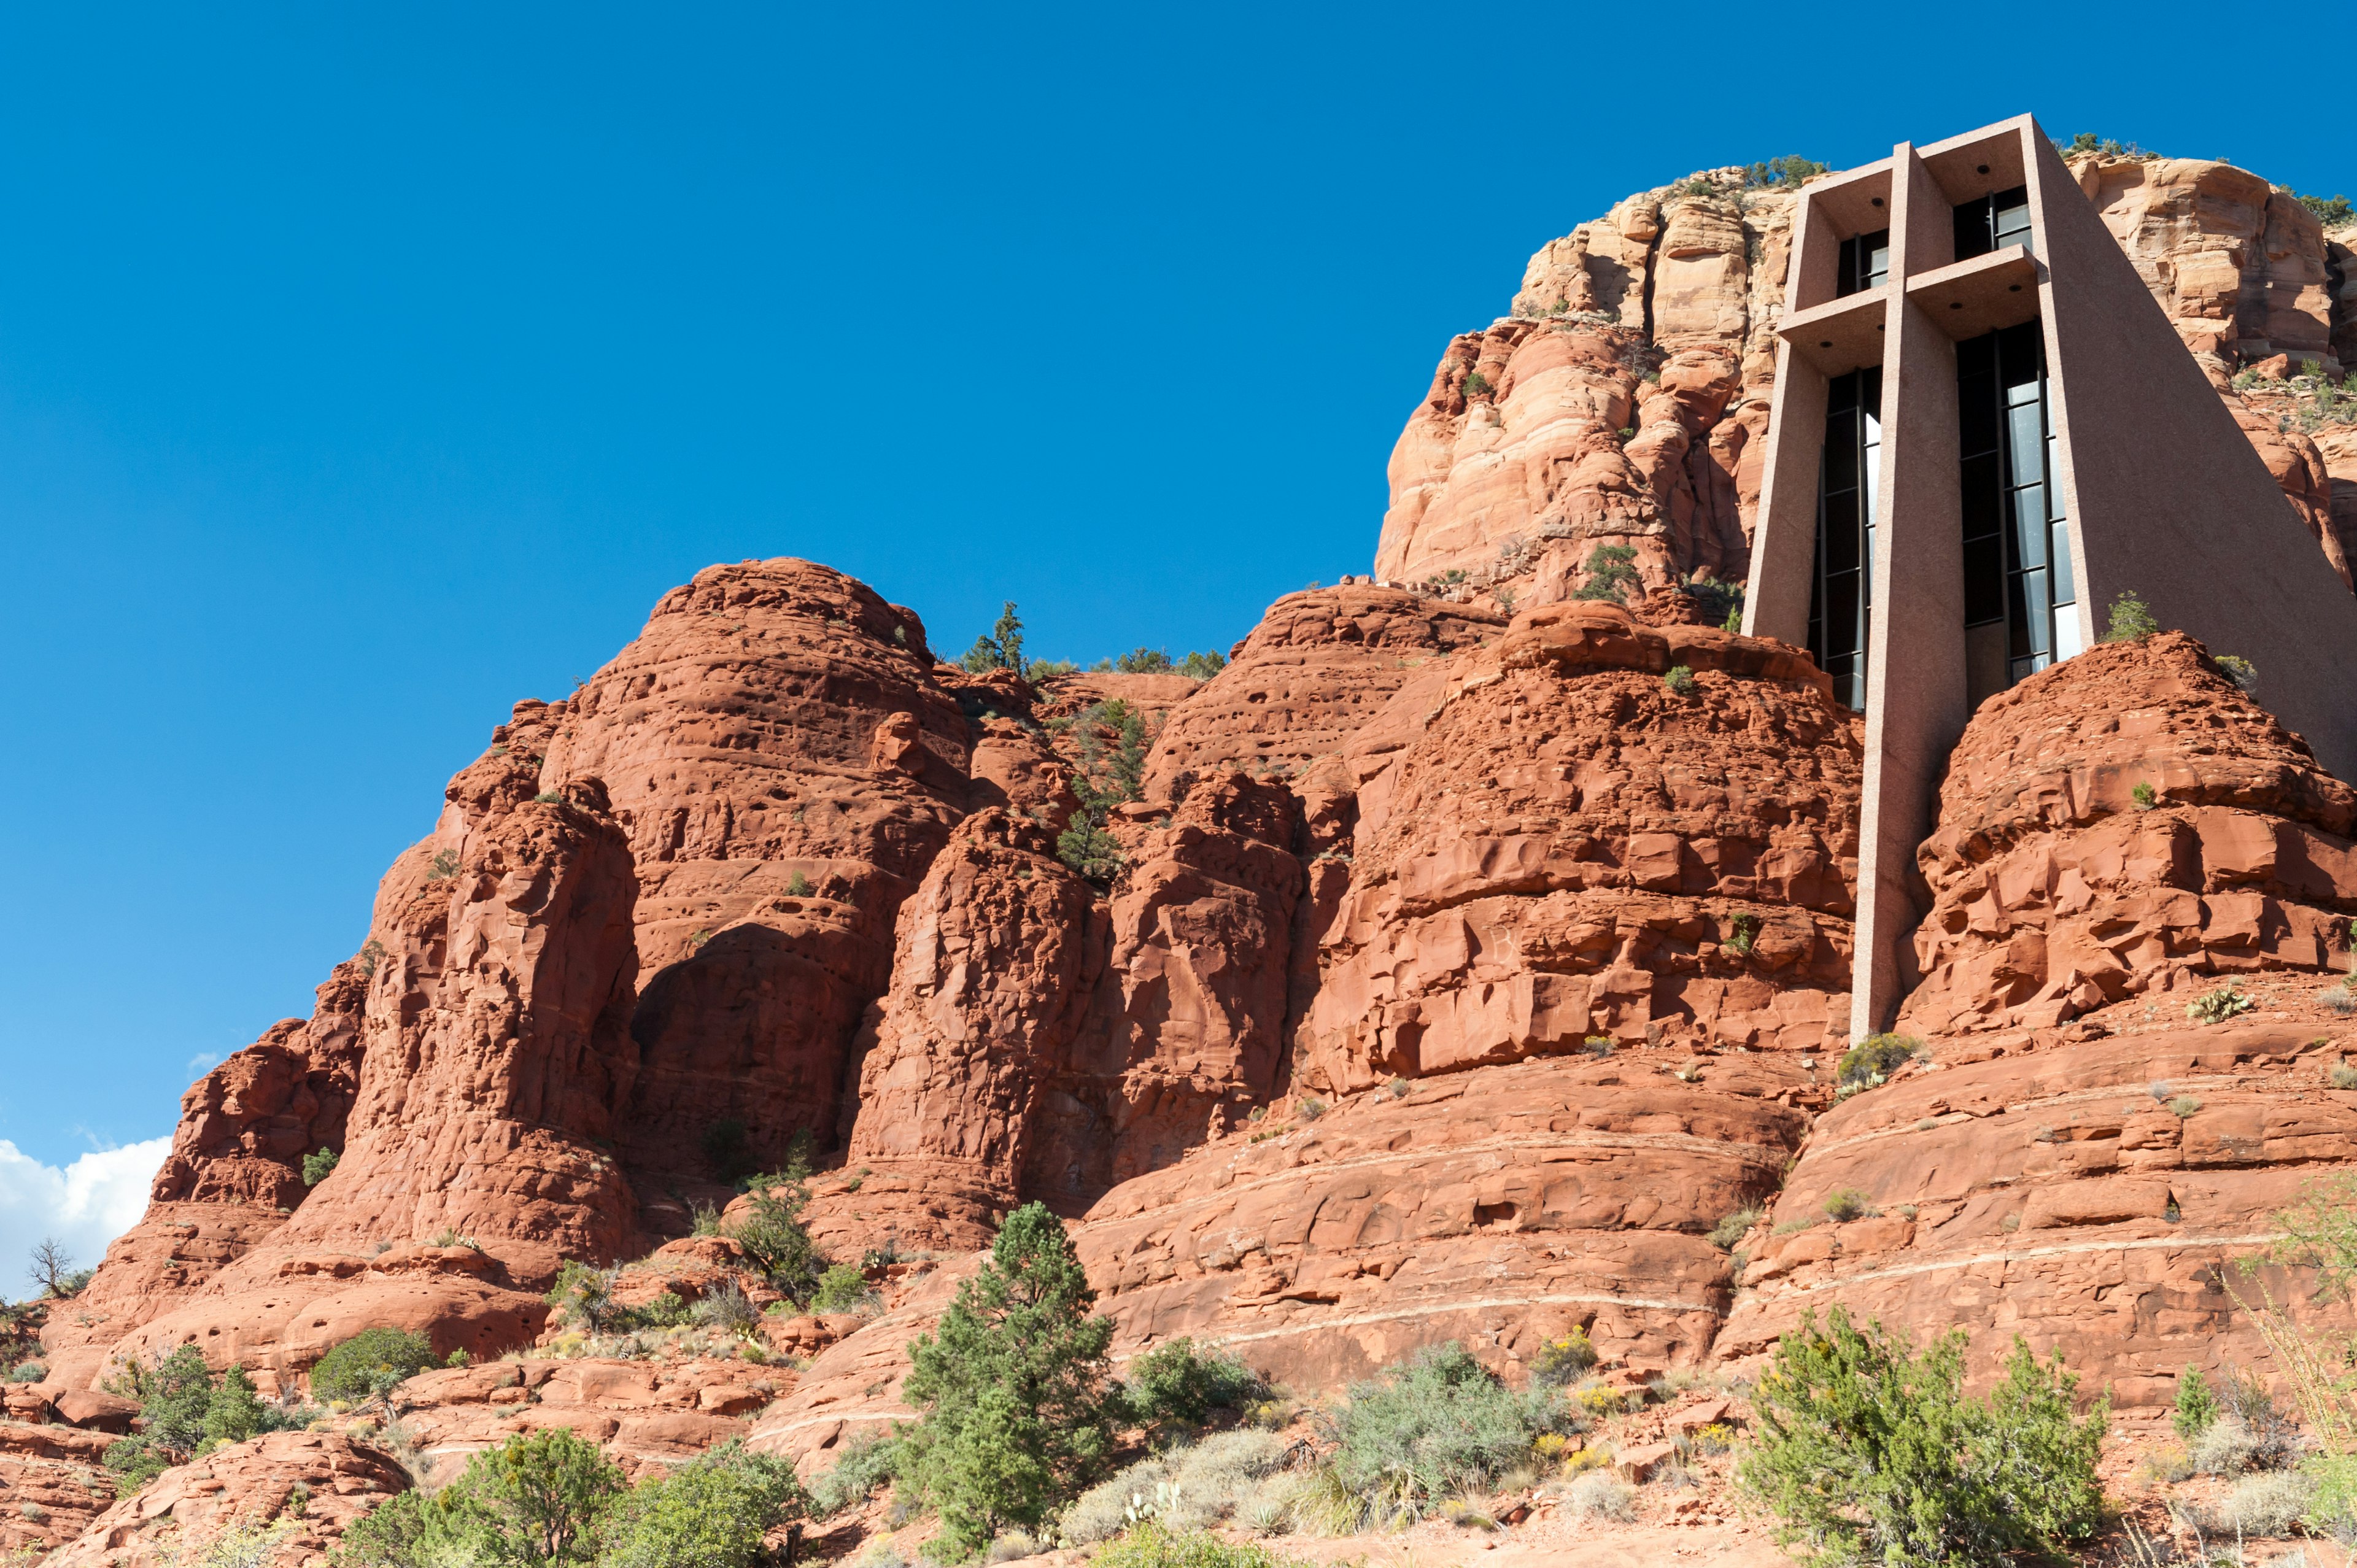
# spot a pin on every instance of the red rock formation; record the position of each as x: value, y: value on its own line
x: 246, y: 1486
x: 785, y: 769
x: 2084, y: 1195
x: 1016, y: 1058
x: 1498, y: 1207
x: 1297, y: 688
x: 2055, y: 891
x: 1567, y: 848
x: 996, y: 958
x: 50, y: 1478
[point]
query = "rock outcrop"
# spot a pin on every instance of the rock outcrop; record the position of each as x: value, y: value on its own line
x: 299, y: 1489
x: 1572, y: 848
x: 2086, y: 1196
x: 785, y: 769
x: 2127, y: 822
x: 1498, y: 1207
x: 997, y: 957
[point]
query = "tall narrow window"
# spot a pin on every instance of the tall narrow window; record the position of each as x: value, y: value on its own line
x: 1865, y: 262
x: 2019, y: 598
x: 1841, y: 589
x: 1993, y: 222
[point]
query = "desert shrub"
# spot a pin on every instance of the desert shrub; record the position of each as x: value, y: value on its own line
x: 1788, y: 171
x: 2197, y: 1407
x: 2268, y: 1504
x: 370, y: 1364
x: 27, y: 1372
x: 1432, y: 1425
x: 1310, y: 1109
x: 1742, y: 931
x: 1874, y: 1059
x: 1610, y: 568
x: 316, y: 1165
x: 1850, y: 1203
x: 1734, y: 1228
x: 1719, y: 602
x: 244, y: 1544
x: 2184, y: 1105
x: 2240, y: 670
x: 728, y: 1309
x: 1476, y: 384
x: 711, y: 1512
x: 1563, y: 1359
x: 663, y: 1311
x: 1173, y: 1387
x: 841, y: 1288
x: 773, y: 1235
x: 1679, y: 682
x: 2342, y: 1076
x: 1152, y: 1546
x: 1203, y: 666
x: 1600, y: 1494
x: 583, y: 1297
x: 2143, y: 797
x: 1867, y: 1450
x: 1189, y: 1488
x: 133, y: 1462
x: 1110, y: 1507
x: 2130, y: 618
x: 859, y: 1470
x: 2217, y: 1006
x: 1143, y: 662
x: 1014, y: 1387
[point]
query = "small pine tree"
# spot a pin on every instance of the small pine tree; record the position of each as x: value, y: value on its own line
x: 2197, y: 1407
x: 1611, y: 569
x: 1001, y: 649
x: 2131, y: 619
x: 316, y: 1166
x: 1014, y: 1388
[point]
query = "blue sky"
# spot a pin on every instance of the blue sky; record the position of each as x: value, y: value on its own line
x: 363, y: 370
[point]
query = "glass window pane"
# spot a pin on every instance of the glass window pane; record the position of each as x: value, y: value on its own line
x: 1977, y: 357
x: 1878, y: 264
x: 2054, y: 475
x: 1841, y: 531
x: 2029, y: 526
x: 2017, y: 619
x: 2059, y: 559
x: 1983, y: 582
x: 2066, y: 631
x: 2027, y: 447
x: 1972, y: 230
x: 2040, y: 609
x: 1841, y: 451
x: 1982, y: 488
x: 1976, y: 422
x: 1841, y: 613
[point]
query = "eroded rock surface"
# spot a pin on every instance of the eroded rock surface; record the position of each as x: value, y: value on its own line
x: 2057, y: 890
x: 1567, y: 848
x: 2084, y: 1195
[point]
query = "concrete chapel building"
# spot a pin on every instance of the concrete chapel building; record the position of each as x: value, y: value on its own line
x: 1984, y: 430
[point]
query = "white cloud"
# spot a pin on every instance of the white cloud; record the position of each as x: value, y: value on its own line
x: 85, y: 1205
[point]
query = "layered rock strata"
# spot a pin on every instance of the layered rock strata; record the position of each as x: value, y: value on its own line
x: 2089, y: 1196
x: 1498, y: 1207
x: 1573, y: 848
x: 2127, y: 821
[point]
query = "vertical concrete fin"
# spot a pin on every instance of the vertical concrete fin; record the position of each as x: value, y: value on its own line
x: 1916, y: 703
x: 2165, y: 494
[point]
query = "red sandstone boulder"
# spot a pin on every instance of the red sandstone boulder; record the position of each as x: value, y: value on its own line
x: 1566, y: 847
x: 317, y: 1483
x: 2056, y: 891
